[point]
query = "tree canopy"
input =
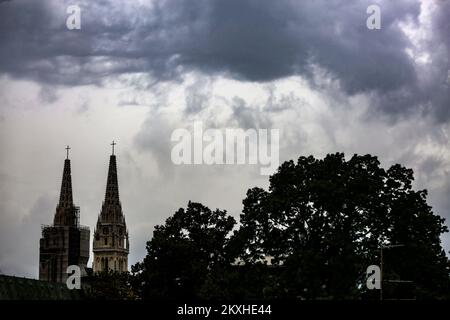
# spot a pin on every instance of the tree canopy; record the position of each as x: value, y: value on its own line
x: 183, y: 251
x: 311, y: 235
x: 327, y: 219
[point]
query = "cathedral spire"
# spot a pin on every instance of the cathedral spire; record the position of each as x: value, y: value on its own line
x: 65, y: 195
x: 66, y: 212
x: 113, y: 144
x: 112, y: 185
x: 65, y: 243
x: 111, y: 245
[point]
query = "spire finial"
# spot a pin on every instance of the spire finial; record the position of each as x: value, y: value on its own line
x: 67, y: 150
x: 113, y: 144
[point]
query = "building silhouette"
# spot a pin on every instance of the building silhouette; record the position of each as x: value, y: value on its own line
x: 65, y: 242
x: 111, y: 244
x: 18, y: 288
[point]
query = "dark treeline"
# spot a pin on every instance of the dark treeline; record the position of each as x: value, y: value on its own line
x: 311, y: 235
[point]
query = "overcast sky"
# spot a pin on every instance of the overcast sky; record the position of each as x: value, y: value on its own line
x: 139, y: 69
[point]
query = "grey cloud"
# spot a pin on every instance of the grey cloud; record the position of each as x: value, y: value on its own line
x: 247, y: 40
x: 41, y: 211
x: 438, y: 87
x: 247, y: 117
x: 198, y: 96
x: 83, y: 108
x: 19, y: 245
x: 284, y: 102
x: 431, y: 165
x: 48, y: 94
x: 154, y: 137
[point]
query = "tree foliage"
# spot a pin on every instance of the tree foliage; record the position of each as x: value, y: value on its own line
x: 326, y: 220
x: 183, y: 251
x: 321, y: 223
x: 108, y: 285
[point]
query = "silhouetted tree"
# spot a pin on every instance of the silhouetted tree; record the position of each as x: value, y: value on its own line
x: 321, y: 223
x: 183, y: 252
x: 325, y: 221
x: 108, y: 285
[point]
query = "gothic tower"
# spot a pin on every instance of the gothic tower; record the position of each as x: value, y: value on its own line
x: 111, y: 246
x: 65, y: 242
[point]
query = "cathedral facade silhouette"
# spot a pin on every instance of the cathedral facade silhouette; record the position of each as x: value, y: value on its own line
x: 66, y: 242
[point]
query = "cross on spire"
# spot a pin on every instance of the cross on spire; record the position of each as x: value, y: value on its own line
x: 67, y: 150
x: 113, y: 144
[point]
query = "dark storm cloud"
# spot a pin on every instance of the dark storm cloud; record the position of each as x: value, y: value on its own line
x: 247, y: 40
x: 439, y: 85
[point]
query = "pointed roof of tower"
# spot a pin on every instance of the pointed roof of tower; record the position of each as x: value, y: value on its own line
x: 66, y: 212
x: 112, y: 185
x: 65, y: 195
x: 111, y: 234
x: 112, y: 209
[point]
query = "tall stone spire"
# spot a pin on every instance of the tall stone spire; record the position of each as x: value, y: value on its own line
x: 112, y: 208
x: 65, y: 242
x: 66, y: 212
x: 112, y: 185
x: 65, y: 195
x: 111, y: 245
